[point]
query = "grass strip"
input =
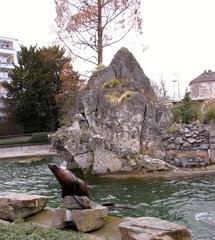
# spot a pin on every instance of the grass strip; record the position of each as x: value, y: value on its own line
x: 29, y: 231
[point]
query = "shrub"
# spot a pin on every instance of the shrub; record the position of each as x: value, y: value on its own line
x: 112, y: 98
x: 125, y: 95
x: 41, y: 137
x: 208, y: 110
x: 112, y: 83
x: 115, y: 98
x: 186, y: 111
x: 209, y: 115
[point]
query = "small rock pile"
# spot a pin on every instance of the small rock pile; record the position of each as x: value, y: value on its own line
x: 187, y: 145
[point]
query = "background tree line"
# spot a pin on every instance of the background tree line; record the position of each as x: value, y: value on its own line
x: 39, y: 88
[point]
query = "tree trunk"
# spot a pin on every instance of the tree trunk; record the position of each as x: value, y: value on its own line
x: 100, y: 33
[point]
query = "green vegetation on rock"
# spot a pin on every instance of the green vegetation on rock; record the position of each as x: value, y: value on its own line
x: 115, y: 98
x: 208, y: 112
x: 112, y: 83
x: 100, y: 67
x: 20, y: 231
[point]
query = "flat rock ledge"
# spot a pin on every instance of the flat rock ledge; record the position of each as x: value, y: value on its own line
x: 148, y: 228
x: 85, y: 220
x: 4, y: 222
x: 14, y: 206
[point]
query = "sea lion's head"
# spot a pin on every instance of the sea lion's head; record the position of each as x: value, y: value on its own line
x: 71, y: 185
x: 53, y: 167
x: 60, y: 173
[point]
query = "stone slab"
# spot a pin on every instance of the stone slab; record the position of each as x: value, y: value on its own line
x: 51, y: 218
x: 87, y: 220
x: 76, y: 202
x: 148, y: 228
x: 110, y: 230
x: 4, y: 222
x: 14, y: 206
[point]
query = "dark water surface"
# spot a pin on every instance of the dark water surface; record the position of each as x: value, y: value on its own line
x: 187, y: 201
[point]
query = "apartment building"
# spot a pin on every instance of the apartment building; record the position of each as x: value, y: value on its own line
x: 8, y: 57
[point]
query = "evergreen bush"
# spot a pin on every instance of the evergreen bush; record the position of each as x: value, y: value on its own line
x: 186, y: 111
x: 41, y: 137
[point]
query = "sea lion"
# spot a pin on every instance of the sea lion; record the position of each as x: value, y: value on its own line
x: 71, y: 185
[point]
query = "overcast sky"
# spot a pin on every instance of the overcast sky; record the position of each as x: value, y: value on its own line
x: 179, y: 34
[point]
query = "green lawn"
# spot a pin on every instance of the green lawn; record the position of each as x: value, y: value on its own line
x: 28, y: 231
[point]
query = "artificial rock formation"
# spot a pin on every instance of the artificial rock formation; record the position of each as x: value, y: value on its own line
x: 116, y: 120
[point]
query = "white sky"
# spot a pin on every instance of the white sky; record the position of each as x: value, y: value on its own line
x: 180, y: 35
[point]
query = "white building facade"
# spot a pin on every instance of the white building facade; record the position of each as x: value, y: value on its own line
x: 8, y: 57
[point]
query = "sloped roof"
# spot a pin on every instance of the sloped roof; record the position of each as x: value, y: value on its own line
x: 206, y: 76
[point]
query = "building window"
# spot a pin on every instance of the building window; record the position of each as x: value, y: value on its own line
x: 6, y: 59
x: 5, y: 45
x: 4, y: 75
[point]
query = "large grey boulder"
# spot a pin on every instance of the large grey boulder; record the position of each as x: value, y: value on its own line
x: 148, y: 228
x: 14, y: 205
x: 116, y: 119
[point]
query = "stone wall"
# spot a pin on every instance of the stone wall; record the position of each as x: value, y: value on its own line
x: 27, y: 150
x: 187, y: 145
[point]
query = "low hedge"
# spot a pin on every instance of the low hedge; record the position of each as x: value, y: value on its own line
x: 41, y: 137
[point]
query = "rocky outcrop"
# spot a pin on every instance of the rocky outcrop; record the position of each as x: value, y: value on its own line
x: 14, y: 206
x: 187, y: 145
x: 116, y: 121
x: 148, y: 228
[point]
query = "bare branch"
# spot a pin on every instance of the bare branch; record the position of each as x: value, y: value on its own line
x: 91, y: 24
x: 118, y: 40
x: 74, y: 54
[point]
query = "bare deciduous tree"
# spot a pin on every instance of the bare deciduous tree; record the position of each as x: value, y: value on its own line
x: 86, y: 27
x: 160, y: 89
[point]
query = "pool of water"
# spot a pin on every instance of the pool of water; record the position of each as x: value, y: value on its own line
x: 187, y: 201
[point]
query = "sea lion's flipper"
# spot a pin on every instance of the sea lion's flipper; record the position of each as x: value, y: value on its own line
x: 65, y: 192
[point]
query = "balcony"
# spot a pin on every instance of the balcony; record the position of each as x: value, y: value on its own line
x: 6, y: 66
x: 8, y: 51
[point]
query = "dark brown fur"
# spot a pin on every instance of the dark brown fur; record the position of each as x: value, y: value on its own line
x: 71, y: 185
